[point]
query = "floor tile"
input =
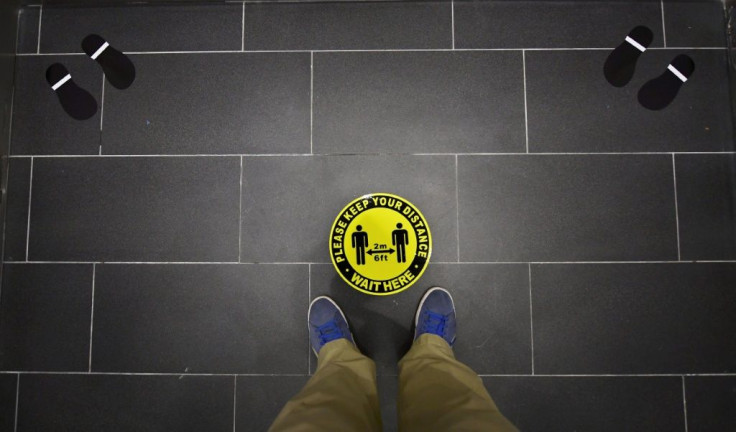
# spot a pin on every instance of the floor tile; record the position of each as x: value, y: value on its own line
x: 694, y: 24
x: 634, y: 318
x: 16, y: 212
x: 40, y: 125
x: 150, y: 403
x: 261, y: 398
x: 705, y: 204
x: 45, y: 316
x: 566, y: 208
x: 144, y: 28
x: 561, y: 24
x: 388, y: 388
x: 602, y: 404
x: 289, y: 203
x: 28, y: 30
x: 201, y: 318
x: 8, y: 389
x: 711, y: 403
x: 211, y: 104
x: 418, y: 102
x: 135, y: 209
x: 351, y: 25
x: 499, y: 343
x: 590, y: 115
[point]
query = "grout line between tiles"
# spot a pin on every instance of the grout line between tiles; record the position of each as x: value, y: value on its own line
x: 526, y: 116
x: 30, y: 200
x: 3, y: 180
x: 171, y: 374
x: 457, y: 210
x: 677, y: 211
x: 240, y: 212
x: 311, y: 101
x: 374, y: 50
x: 92, y: 317
x: 201, y: 155
x: 327, y: 263
x: 179, y: 374
x: 309, y: 302
x: 102, y: 111
x: 102, y: 101
x: 6, y: 179
x: 590, y: 262
x: 161, y: 262
x: 10, y: 124
x: 662, y: 153
x: 623, y: 375
x: 684, y: 403
x: 235, y: 393
x: 17, y: 397
x: 17, y: 30
x: 40, y: 18
x: 664, y: 33
x: 242, y: 29
x: 531, y: 315
x: 452, y: 18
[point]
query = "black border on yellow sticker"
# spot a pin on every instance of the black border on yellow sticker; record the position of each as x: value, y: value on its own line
x: 415, y: 265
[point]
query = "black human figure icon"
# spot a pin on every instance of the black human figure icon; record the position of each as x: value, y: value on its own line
x: 400, y: 238
x: 360, y: 242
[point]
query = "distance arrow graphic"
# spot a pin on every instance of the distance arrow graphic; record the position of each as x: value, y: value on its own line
x: 380, y: 251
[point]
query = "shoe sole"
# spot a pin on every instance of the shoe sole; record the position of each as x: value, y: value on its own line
x: 119, y: 69
x: 421, y: 303
x: 659, y: 92
x: 621, y: 62
x: 309, y: 314
x: 77, y: 102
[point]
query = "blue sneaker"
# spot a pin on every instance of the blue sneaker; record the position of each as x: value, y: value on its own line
x: 326, y: 323
x: 436, y: 315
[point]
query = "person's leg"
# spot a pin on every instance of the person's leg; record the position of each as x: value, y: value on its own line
x: 437, y: 392
x: 342, y: 394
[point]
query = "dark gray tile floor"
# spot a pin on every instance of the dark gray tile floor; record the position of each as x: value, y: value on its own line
x: 691, y: 124
x: 528, y: 208
x: 144, y: 28
x: 654, y: 318
x: 607, y: 404
x: 28, y: 30
x: 707, y: 214
x: 691, y: 23
x: 149, y: 208
x: 551, y: 24
x: 480, y: 111
x: 184, y: 403
x: 16, y: 221
x: 261, y: 101
x: 159, y: 258
x: 8, y: 393
x: 40, y: 126
x: 711, y: 403
x: 45, y: 312
x: 351, y: 25
x: 204, y: 326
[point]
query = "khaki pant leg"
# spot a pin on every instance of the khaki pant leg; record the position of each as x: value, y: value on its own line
x: 340, y: 396
x: 438, y: 393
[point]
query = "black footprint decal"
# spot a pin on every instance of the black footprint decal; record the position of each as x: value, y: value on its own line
x: 661, y: 91
x: 76, y: 101
x: 118, y: 68
x: 621, y: 63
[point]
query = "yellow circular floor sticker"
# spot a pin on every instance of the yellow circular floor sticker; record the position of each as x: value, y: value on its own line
x: 380, y: 244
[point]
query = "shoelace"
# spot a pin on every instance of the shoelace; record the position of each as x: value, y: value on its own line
x: 434, y: 323
x: 329, y: 332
